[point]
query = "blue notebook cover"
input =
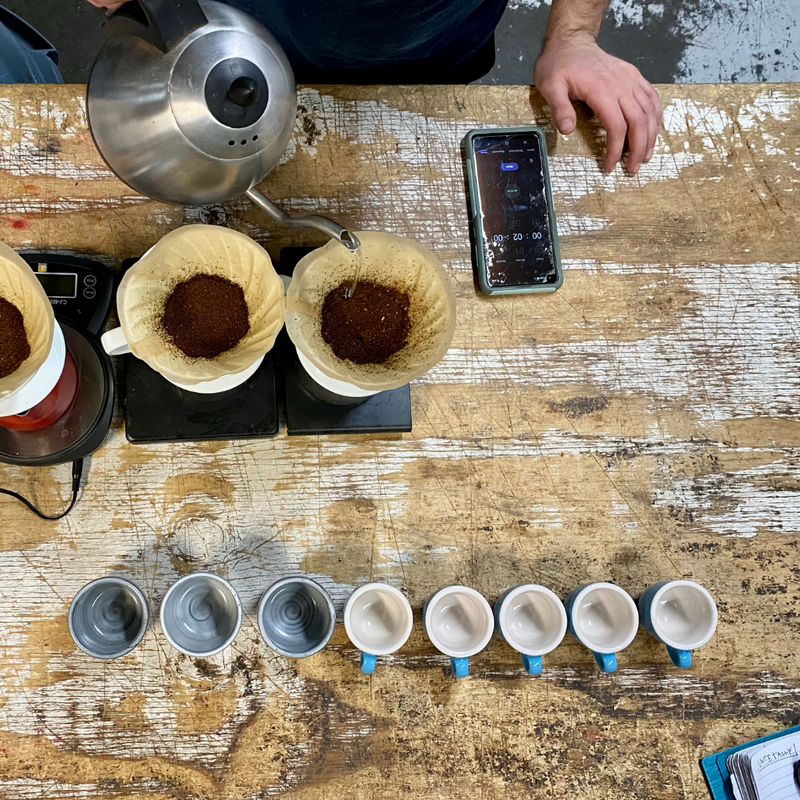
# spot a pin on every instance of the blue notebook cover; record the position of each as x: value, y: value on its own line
x: 715, y: 768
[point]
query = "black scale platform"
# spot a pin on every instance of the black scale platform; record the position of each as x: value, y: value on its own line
x: 158, y: 411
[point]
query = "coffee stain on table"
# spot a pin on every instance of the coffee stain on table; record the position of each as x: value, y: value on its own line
x: 578, y: 406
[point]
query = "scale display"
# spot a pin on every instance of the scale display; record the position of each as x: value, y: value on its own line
x: 79, y: 289
x: 59, y: 285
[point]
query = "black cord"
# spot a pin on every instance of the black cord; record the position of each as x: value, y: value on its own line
x: 77, y: 471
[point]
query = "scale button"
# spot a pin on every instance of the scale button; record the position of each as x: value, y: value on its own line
x: 90, y: 280
x: 89, y: 293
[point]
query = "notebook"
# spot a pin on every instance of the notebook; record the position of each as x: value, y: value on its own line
x: 766, y: 769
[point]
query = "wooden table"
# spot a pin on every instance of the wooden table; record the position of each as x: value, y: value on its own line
x: 639, y: 424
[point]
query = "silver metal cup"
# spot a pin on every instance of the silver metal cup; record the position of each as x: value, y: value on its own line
x: 296, y: 617
x: 201, y: 614
x: 108, y: 617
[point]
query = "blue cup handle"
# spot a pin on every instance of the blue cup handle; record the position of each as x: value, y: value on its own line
x: 532, y: 664
x: 680, y: 658
x: 367, y: 663
x: 606, y: 661
x: 460, y: 667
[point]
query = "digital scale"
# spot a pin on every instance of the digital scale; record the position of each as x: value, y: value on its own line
x: 158, y: 411
x: 81, y: 292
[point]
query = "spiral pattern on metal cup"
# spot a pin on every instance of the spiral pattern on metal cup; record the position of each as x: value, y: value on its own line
x: 296, y: 617
x: 296, y: 614
x: 117, y: 615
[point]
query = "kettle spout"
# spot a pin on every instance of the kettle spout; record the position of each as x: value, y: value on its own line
x: 324, y: 224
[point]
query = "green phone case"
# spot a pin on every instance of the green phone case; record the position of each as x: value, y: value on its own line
x: 475, y: 213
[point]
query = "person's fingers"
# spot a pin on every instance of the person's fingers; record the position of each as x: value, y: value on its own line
x: 637, y: 133
x: 653, y: 95
x: 556, y: 93
x: 612, y: 119
x: 651, y: 114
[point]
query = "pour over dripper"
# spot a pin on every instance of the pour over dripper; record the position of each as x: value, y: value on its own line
x: 19, y: 286
x: 180, y: 255
x: 389, y: 260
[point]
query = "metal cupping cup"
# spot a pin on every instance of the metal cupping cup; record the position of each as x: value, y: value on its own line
x: 201, y: 614
x: 296, y: 617
x: 108, y: 617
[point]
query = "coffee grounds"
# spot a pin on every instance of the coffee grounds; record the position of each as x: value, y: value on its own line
x: 368, y: 328
x: 205, y: 316
x: 14, y: 347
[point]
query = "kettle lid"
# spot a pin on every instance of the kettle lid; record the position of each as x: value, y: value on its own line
x: 209, y: 52
x: 221, y: 82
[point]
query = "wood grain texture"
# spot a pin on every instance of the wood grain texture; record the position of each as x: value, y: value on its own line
x: 639, y: 424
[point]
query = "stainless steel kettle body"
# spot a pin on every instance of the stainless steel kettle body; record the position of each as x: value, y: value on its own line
x: 193, y: 102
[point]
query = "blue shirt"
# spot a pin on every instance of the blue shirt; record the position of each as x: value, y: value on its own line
x: 370, y: 34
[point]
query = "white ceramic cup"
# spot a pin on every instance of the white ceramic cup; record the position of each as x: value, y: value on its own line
x: 378, y: 620
x: 115, y: 344
x: 681, y: 614
x: 531, y: 619
x: 459, y: 622
x: 604, y: 618
x: 333, y: 385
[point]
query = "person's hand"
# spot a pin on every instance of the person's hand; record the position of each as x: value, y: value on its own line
x: 112, y: 4
x: 573, y: 67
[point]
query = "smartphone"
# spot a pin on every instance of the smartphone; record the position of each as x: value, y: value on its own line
x: 514, y: 237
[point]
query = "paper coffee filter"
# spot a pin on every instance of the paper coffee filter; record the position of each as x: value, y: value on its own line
x: 19, y: 286
x: 180, y: 255
x: 386, y: 259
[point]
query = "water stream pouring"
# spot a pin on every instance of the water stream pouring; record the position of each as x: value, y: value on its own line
x: 193, y: 102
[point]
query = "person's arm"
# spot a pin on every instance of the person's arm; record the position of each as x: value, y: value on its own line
x: 572, y: 66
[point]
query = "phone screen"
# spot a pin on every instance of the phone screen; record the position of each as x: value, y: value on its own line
x: 514, y: 212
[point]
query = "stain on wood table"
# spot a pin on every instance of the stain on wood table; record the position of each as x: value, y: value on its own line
x: 639, y: 424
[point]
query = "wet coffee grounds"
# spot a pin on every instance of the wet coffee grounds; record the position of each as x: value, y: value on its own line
x: 14, y: 347
x: 205, y: 316
x: 368, y: 328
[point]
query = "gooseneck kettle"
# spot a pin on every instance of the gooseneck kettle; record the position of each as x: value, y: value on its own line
x: 193, y: 102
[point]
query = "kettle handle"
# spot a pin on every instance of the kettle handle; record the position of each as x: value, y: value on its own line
x: 162, y: 23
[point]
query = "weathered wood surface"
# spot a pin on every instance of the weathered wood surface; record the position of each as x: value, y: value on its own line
x: 639, y: 424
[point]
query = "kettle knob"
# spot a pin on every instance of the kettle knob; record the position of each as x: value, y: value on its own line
x: 236, y: 92
x: 243, y: 91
